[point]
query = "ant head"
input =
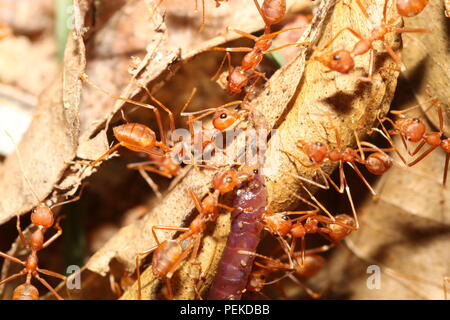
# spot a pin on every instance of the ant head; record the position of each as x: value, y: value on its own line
x: 224, y: 118
x: 26, y: 291
x: 340, y: 61
x: 312, y: 264
x: 225, y: 181
x: 378, y: 163
x: 278, y: 224
x: 339, y: 231
x: 410, y: 8
x: 42, y: 216
x: 316, y: 151
x: 236, y: 81
x: 414, y: 129
x: 257, y: 280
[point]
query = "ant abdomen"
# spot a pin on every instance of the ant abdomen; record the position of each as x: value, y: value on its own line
x: 26, y: 291
x: 378, y: 163
x: 135, y: 134
x: 164, y: 257
x: 410, y: 8
x: 273, y: 10
x: 311, y: 265
x: 339, y: 232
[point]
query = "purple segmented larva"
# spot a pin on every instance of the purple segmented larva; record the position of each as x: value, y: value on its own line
x: 234, y: 268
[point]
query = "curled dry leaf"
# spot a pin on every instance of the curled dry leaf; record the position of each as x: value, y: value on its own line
x: 426, y: 59
x: 292, y: 90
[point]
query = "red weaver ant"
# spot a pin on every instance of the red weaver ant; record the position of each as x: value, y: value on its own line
x: 378, y: 162
x: 336, y: 227
x: 272, y: 12
x: 343, y: 60
x: 42, y: 218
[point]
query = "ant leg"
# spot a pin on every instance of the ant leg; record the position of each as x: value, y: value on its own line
x: 196, y: 200
x: 55, y: 236
x: 269, y: 259
x: 19, y: 229
x: 48, y: 286
x: 170, y: 113
x: 358, y: 172
x: 226, y: 56
x: 446, y: 286
x: 365, y: 13
x: 150, y: 182
x: 14, y: 259
x: 287, y: 45
x: 447, y: 159
x: 74, y: 199
x: 315, y: 210
x: 138, y: 271
x: 386, y: 135
x: 110, y: 150
x: 244, y: 34
x: 356, y: 34
x: 52, y: 274
x: 261, y: 13
x: 423, y: 155
x: 402, y: 137
x: 167, y: 228
x: 308, y: 290
x: 273, y: 34
x: 85, y: 78
x: 12, y: 277
x: 394, y: 56
x: 318, y: 203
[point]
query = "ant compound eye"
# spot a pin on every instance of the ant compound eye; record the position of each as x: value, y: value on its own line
x: 319, y: 144
x: 337, y: 57
x: 229, y: 179
x: 223, y: 115
x: 255, y: 171
x: 416, y: 120
x: 285, y: 218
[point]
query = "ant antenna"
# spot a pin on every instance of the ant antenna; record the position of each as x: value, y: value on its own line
x: 22, y: 167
